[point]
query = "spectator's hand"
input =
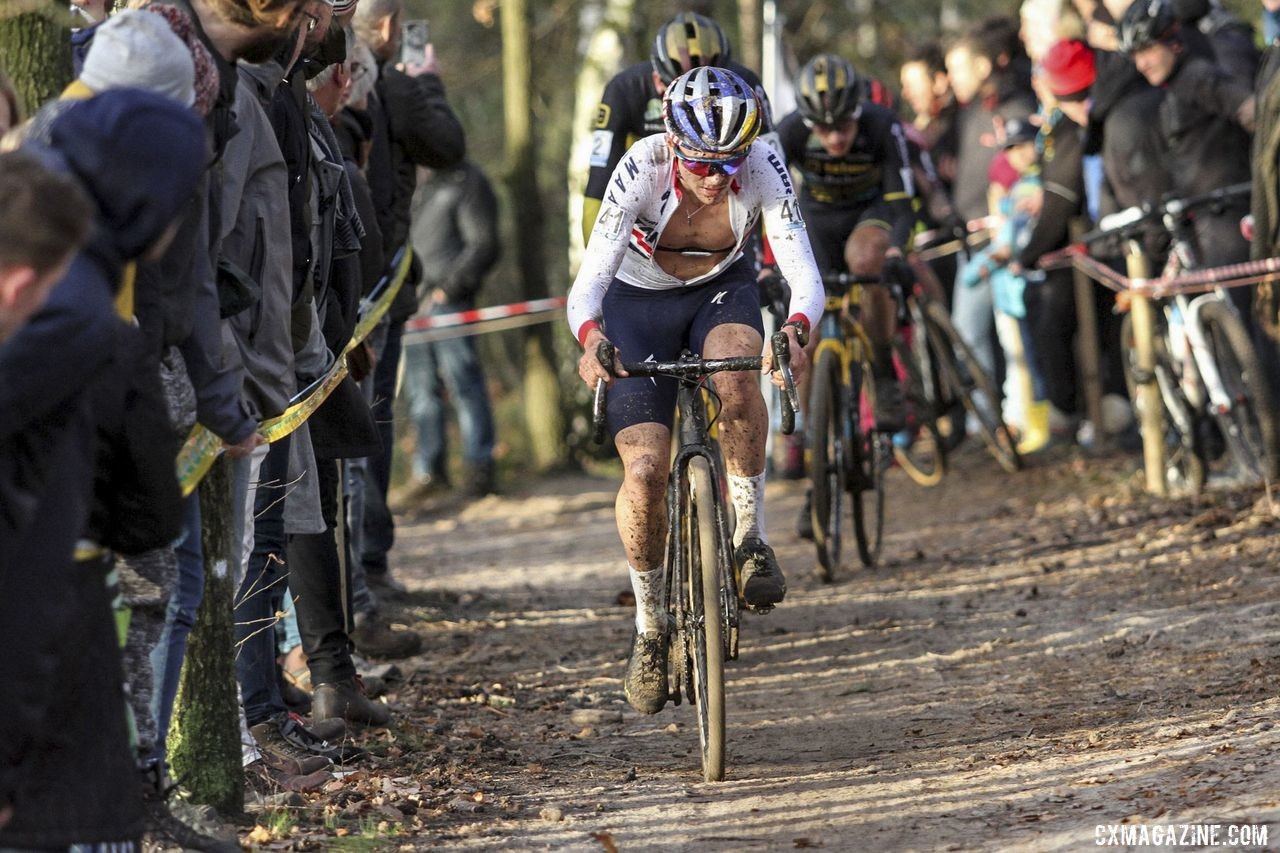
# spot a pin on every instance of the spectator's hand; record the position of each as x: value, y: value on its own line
x: 429, y: 64
x: 590, y: 368
x: 1102, y: 36
x: 1247, y: 113
x: 244, y: 448
x: 361, y: 361
x: 439, y: 297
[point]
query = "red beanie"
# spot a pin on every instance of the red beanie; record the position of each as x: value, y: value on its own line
x: 1070, y: 69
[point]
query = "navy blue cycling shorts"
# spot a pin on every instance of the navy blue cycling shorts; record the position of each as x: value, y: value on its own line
x: 658, y: 325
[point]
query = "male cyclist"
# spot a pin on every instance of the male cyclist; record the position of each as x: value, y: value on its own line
x: 631, y: 107
x: 665, y: 271
x: 856, y: 194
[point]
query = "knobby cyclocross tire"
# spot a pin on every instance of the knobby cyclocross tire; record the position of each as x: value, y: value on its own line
x: 705, y: 567
x: 1184, y: 467
x: 867, y: 490
x: 968, y: 378
x: 924, y: 457
x: 1246, y: 426
x: 828, y: 465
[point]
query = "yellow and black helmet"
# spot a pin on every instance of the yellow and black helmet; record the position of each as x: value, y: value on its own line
x: 828, y: 90
x: 685, y: 42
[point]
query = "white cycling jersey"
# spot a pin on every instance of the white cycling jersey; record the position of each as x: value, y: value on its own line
x: 644, y: 192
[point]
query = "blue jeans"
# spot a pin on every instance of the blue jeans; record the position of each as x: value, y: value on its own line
x: 430, y: 369
x: 261, y: 594
x: 973, y: 313
x: 179, y: 619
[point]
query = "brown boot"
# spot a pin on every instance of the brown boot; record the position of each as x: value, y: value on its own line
x: 347, y: 699
x: 283, y: 755
x: 375, y: 638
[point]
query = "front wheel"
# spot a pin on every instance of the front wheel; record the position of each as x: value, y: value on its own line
x: 971, y: 382
x: 827, y: 463
x: 706, y: 566
x: 1245, y: 420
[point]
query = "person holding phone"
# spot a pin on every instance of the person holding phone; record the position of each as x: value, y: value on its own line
x: 413, y: 125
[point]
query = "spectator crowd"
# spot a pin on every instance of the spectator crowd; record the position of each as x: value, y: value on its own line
x: 235, y: 179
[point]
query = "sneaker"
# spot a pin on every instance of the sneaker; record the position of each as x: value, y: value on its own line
x: 282, y: 754
x: 762, y: 582
x: 265, y: 781
x: 645, y: 682
x: 308, y: 739
x: 376, y: 638
x: 347, y: 699
x: 890, y: 405
x: 804, y: 522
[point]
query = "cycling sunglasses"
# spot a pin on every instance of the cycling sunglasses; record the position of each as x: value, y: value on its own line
x: 705, y: 168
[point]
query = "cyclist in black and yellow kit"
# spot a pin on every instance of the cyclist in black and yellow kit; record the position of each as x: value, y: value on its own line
x: 631, y: 107
x: 856, y: 195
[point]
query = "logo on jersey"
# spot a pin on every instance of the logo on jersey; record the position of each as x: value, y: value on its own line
x: 718, y: 299
x: 603, y: 111
x: 653, y: 112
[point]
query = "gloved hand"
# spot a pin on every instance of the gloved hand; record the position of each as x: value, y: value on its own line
x: 897, y: 270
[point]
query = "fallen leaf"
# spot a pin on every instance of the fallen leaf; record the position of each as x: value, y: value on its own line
x: 606, y: 841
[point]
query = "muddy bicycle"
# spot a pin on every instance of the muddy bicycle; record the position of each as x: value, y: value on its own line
x: 701, y: 594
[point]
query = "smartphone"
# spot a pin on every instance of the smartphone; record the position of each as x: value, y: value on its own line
x: 414, y: 36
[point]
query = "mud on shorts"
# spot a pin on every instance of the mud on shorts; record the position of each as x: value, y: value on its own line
x: 658, y: 325
x: 830, y: 227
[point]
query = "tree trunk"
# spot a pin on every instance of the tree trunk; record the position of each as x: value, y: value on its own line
x: 749, y: 31
x: 544, y: 418
x: 35, y: 50
x: 205, y: 741
x: 600, y: 53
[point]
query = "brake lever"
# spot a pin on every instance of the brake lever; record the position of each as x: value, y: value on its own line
x: 790, y: 397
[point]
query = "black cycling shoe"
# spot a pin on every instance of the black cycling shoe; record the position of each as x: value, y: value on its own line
x: 890, y: 405
x: 763, y: 585
x: 645, y: 682
x: 804, y: 522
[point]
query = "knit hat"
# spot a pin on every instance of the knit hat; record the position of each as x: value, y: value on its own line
x: 207, y: 79
x: 1070, y: 69
x: 138, y: 50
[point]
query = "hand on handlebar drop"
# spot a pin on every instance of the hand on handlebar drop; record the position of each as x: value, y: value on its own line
x: 799, y: 360
x: 589, y: 366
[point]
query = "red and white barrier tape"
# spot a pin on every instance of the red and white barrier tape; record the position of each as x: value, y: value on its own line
x: 457, y: 324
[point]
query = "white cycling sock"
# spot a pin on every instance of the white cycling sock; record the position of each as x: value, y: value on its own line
x: 748, y: 502
x: 648, y: 589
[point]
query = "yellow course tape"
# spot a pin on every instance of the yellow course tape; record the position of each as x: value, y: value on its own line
x: 202, y: 447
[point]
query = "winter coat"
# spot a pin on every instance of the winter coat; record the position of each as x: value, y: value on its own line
x: 255, y: 248
x: 977, y: 144
x: 413, y: 126
x: 455, y: 231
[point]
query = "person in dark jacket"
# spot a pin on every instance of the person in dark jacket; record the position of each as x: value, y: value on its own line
x: 990, y: 81
x: 455, y: 235
x: 66, y: 769
x: 413, y: 126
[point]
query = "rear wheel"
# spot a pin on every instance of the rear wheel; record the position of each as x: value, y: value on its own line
x: 1246, y: 425
x: 919, y: 450
x: 827, y: 464
x: 706, y: 566
x: 970, y: 381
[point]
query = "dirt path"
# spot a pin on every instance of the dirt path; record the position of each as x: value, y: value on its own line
x: 1040, y: 654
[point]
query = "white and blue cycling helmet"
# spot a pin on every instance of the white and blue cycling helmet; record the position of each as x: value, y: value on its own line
x: 711, y: 110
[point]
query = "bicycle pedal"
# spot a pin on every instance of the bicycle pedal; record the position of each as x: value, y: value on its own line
x: 761, y: 609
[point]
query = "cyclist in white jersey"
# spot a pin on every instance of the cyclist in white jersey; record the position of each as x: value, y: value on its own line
x: 665, y: 271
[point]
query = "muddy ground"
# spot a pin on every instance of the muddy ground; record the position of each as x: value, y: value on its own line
x: 1038, y: 655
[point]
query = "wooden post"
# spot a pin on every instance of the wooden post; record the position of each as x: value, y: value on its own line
x: 1088, y: 347
x: 1150, y: 406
